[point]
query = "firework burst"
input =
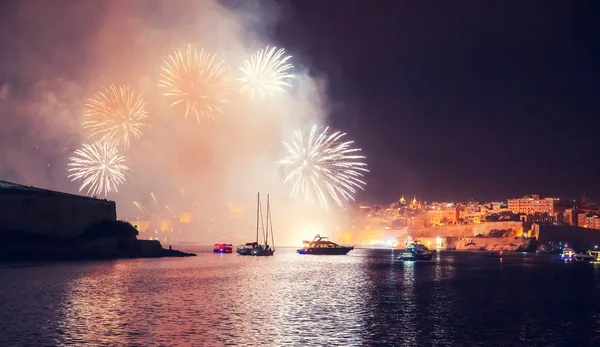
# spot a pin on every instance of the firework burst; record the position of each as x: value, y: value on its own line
x: 99, y: 166
x: 321, y: 167
x: 115, y: 114
x: 197, y: 80
x: 264, y: 73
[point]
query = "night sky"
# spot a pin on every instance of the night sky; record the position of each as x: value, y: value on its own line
x: 449, y: 100
x: 484, y: 100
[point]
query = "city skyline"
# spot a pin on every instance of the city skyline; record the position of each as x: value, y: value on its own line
x: 420, y: 198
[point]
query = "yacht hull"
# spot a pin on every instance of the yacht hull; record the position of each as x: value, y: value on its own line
x: 256, y: 252
x: 410, y: 255
x: 584, y: 258
x: 326, y: 251
x: 415, y: 257
x: 262, y: 253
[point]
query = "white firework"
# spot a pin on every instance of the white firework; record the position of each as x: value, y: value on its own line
x: 99, y: 166
x: 264, y: 74
x: 320, y: 167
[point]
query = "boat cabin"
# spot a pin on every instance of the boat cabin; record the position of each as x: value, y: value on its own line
x: 322, y: 246
x: 223, y: 248
x: 249, y: 245
x: 321, y: 242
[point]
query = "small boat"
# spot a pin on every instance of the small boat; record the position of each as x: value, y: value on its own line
x: 595, y: 254
x: 568, y: 254
x: 584, y: 257
x: 416, y: 251
x: 322, y: 246
x: 223, y: 248
x: 254, y: 248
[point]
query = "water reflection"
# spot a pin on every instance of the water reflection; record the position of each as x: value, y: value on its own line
x: 89, y: 314
x: 365, y: 298
x: 442, y: 300
x: 408, y: 307
x: 322, y: 295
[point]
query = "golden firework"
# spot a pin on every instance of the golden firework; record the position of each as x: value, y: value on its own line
x: 115, y: 114
x: 197, y: 80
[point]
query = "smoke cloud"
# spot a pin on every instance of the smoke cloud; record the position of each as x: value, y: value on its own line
x: 65, y: 51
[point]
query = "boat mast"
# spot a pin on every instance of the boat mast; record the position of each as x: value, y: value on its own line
x: 257, y: 209
x: 268, y: 215
x: 262, y: 221
x: 270, y: 224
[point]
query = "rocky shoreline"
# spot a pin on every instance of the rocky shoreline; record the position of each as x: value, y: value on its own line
x: 104, y: 240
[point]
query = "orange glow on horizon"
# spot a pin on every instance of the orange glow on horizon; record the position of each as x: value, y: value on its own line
x: 235, y: 210
x: 185, y: 217
x: 166, y: 225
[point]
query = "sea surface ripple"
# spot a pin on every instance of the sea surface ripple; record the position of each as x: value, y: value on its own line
x: 362, y: 299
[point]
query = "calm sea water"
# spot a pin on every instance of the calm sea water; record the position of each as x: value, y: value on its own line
x: 364, y: 298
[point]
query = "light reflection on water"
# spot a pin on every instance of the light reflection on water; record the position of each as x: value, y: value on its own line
x: 364, y: 298
x: 410, y: 313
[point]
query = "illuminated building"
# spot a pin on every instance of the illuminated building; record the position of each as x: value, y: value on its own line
x: 588, y: 221
x: 442, y: 216
x: 414, y: 204
x: 539, y: 218
x: 569, y: 217
x: 471, y: 215
x: 496, y: 206
x: 531, y: 204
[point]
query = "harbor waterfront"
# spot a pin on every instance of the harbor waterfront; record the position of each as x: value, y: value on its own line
x: 299, y: 173
x: 364, y: 298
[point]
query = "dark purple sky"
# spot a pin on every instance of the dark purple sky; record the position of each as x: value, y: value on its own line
x: 448, y: 99
x: 451, y: 100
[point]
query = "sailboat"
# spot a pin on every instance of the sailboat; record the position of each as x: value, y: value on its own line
x: 254, y: 248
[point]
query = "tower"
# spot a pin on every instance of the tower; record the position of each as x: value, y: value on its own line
x: 414, y: 203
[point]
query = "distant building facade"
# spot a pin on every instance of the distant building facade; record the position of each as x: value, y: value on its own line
x: 588, y: 221
x: 569, y: 217
x: 532, y: 204
x: 43, y: 211
x: 442, y: 216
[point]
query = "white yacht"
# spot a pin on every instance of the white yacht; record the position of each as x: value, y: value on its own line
x: 416, y: 251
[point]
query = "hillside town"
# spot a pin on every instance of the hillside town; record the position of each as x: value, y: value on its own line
x: 526, y: 223
x: 418, y: 214
x: 447, y: 225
